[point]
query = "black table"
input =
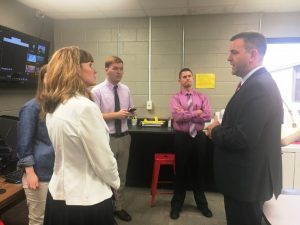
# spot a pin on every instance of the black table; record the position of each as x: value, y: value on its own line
x: 145, y: 142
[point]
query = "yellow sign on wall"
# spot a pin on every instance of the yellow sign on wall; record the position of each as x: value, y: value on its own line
x: 205, y: 80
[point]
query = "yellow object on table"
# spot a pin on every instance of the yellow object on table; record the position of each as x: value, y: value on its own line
x: 154, y: 123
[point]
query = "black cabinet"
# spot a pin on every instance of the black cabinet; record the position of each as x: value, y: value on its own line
x: 145, y: 142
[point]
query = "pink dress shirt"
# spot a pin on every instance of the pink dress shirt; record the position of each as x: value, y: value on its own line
x: 181, y: 114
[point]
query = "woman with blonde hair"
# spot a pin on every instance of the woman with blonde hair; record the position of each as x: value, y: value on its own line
x: 85, y: 169
x: 35, y: 153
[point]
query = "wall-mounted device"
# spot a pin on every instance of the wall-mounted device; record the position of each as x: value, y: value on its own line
x: 149, y: 105
x: 21, y: 57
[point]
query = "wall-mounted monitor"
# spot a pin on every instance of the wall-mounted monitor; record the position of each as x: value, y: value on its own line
x: 21, y: 57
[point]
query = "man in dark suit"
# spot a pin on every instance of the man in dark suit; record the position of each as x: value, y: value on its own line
x: 247, y: 157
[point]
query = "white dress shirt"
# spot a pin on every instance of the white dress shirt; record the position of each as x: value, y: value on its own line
x: 250, y: 74
x: 85, y: 168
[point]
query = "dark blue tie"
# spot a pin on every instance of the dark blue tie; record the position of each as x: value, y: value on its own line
x: 117, y: 109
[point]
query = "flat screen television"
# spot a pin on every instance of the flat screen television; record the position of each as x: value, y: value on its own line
x: 21, y: 57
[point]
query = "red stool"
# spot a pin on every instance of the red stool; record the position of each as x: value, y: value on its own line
x: 160, y: 159
x: 1, y: 222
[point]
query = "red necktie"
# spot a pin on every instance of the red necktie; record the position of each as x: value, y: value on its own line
x: 238, y: 86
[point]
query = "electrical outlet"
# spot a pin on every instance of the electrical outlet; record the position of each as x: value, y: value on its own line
x: 149, y: 105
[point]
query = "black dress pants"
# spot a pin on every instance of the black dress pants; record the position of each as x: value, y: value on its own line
x: 243, y: 213
x: 190, y: 161
x: 58, y: 213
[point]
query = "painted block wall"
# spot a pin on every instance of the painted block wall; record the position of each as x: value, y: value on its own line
x: 205, y: 50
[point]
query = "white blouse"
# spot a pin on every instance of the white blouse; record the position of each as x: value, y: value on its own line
x: 85, y: 168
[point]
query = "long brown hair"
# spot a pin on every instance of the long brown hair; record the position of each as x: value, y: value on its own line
x: 40, y: 87
x: 63, y: 77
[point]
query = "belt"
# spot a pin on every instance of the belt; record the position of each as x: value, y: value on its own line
x: 119, y: 135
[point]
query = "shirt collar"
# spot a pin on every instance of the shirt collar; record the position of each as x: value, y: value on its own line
x: 250, y: 74
x: 109, y: 85
x: 184, y: 92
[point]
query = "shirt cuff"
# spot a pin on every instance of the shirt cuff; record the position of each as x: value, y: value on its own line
x: 26, y: 161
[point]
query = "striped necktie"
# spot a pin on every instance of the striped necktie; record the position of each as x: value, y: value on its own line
x: 192, y: 129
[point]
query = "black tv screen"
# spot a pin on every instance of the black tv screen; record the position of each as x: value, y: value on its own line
x: 21, y: 57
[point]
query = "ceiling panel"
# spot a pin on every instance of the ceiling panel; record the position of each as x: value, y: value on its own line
x: 124, y: 13
x: 68, y: 9
x: 155, y: 4
x: 117, y: 5
x: 167, y: 12
x: 197, y: 3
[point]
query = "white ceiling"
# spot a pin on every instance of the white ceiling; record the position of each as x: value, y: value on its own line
x: 80, y: 9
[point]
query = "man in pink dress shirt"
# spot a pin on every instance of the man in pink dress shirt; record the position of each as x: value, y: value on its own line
x: 190, y: 110
x: 104, y: 96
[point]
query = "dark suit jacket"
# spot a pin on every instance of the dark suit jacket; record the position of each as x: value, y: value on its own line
x: 247, y: 157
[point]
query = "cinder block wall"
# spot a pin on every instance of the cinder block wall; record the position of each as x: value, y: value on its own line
x: 205, y: 51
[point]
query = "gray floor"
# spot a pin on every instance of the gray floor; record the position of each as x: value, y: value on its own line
x: 138, y: 205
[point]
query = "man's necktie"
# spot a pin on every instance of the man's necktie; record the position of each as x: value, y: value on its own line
x: 117, y: 109
x: 238, y: 86
x: 192, y: 129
